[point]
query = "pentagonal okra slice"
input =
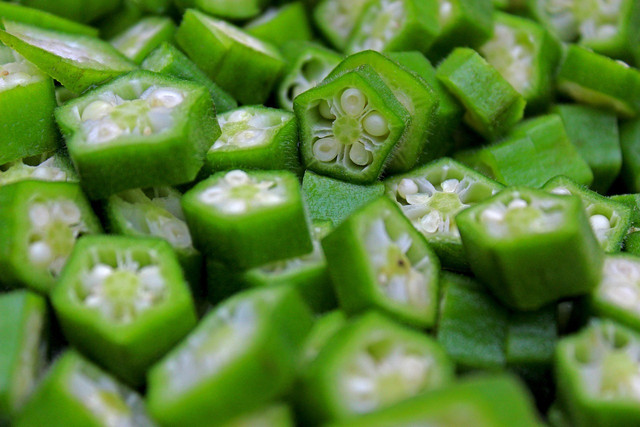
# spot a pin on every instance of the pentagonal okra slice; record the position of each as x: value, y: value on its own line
x: 526, y: 55
x: 336, y: 19
x: 124, y: 302
x: 610, y: 220
x: 531, y: 247
x: 43, y: 19
x: 597, y: 375
x: 76, y: 61
x: 255, y: 137
x: 85, y: 395
x: 395, y: 25
x: 41, y: 222
x: 244, y: 352
x: 23, y: 332
x: 141, y: 130
x: 370, y: 364
x: 247, y: 219
x: 307, y: 65
x: 75, y: 10
x: 45, y: 167
x: 432, y: 195
x: 492, y: 105
x: 27, y: 101
x: 137, y: 41
x: 350, y: 125
x: 279, y: 25
x: 377, y: 260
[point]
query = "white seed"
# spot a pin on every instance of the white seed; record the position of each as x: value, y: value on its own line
x: 517, y: 204
x: 247, y: 138
x: 235, y: 206
x: 450, y: 185
x: 166, y: 98
x: 599, y: 222
x: 360, y: 155
x: 325, y: 110
x: 406, y: 187
x: 491, y: 215
x: 69, y: 212
x: 39, y: 214
x: 375, y: 124
x: 561, y: 191
x: 40, y: 253
x: 105, y: 131
x: 98, y: 274
x: 238, y: 116
x: 96, y: 110
x: 326, y: 149
x: 212, y: 195
x: 236, y: 178
x: 177, y: 233
x: 353, y: 101
x: 431, y: 222
x: 151, y: 276
x: 418, y: 198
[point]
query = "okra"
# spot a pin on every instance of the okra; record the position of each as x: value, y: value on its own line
x: 43, y: 19
x: 336, y: 19
x: 630, y: 145
x: 45, y: 167
x: 231, y: 9
x: 281, y: 25
x: 325, y: 327
x: 75, y: 10
x: 273, y: 415
x: 119, y: 21
x: 137, y: 41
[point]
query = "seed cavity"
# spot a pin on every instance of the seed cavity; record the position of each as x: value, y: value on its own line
x: 620, y: 283
x: 380, y: 25
x: 248, y: 127
x: 18, y: 73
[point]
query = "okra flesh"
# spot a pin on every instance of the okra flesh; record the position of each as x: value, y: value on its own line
x: 616, y: 296
x: 336, y: 19
x: 47, y: 167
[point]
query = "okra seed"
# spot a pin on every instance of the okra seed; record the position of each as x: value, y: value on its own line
x: 561, y: 191
x: 407, y: 187
x: 166, y: 98
x: 517, y: 204
x: 326, y: 149
x: 450, y: 185
x: 375, y: 124
x: 431, y: 222
x: 96, y: 110
x: 69, y: 212
x: 235, y: 206
x: 325, y: 110
x: 105, y: 131
x: 236, y: 178
x: 492, y: 215
x: 40, y: 253
x: 418, y: 199
x: 353, y: 101
x: 39, y: 215
x: 359, y: 154
x: 599, y: 222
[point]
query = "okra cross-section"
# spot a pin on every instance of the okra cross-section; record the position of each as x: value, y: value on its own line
x: 124, y: 302
x: 530, y: 247
x: 45, y: 167
x: 336, y: 19
x: 241, y: 356
x: 377, y: 260
x: 141, y: 130
x: 137, y: 41
x: 350, y: 125
x: 247, y: 219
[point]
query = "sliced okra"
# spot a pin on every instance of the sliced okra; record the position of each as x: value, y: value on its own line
x: 23, y: 331
x: 137, y: 41
x: 244, y: 352
x: 597, y: 372
x: 395, y: 25
x: 168, y: 59
x: 241, y: 64
x: 85, y: 395
x: 371, y: 364
x: 492, y: 105
x: 78, y: 62
x: 526, y: 55
x: 282, y: 24
x: 336, y: 19
x: 43, y: 19
x: 515, y: 240
x: 156, y: 7
x: 580, y: 77
x: 630, y: 145
x: 432, y: 195
x: 247, y: 219
x: 325, y: 327
x: 255, y: 137
x: 117, y: 22
x: 124, y: 302
x: 416, y: 97
x: 610, y: 220
x: 273, y: 415
x: 350, y: 125
x: 41, y: 222
x: 231, y: 9
x: 75, y: 10
x: 46, y: 167
x: 125, y: 133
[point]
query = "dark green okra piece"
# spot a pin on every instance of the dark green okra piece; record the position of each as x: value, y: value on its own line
x: 336, y: 19
x: 124, y: 134
x: 241, y: 64
x: 75, y: 392
x: 530, y: 247
x: 43, y: 19
x: 492, y: 105
x: 75, y: 10
x: 23, y: 333
x: 353, y: 372
x: 247, y: 219
x: 45, y: 167
x: 350, y: 125
x: 244, y: 353
x: 117, y: 22
x: 432, y: 195
x: 231, y: 9
x: 282, y: 24
x: 273, y: 415
x: 39, y: 225
x: 156, y: 7
x: 137, y: 41
x: 630, y: 145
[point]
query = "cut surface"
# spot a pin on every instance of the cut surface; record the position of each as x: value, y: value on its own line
x: 248, y: 127
x: 45, y: 170
x: 620, y: 283
x: 379, y: 25
x: 17, y: 71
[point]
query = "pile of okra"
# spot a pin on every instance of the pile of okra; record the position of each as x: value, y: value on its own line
x: 319, y: 213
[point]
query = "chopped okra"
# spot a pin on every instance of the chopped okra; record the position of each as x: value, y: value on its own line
x: 336, y: 19
x: 630, y: 145
x: 43, y: 19
x: 281, y: 25
x: 231, y: 9
x: 140, y: 39
x: 45, y: 167
x: 76, y: 10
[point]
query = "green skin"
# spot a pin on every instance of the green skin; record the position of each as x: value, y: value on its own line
x: 630, y: 145
x: 632, y: 201
x: 42, y: 19
x: 289, y: 22
x: 276, y: 414
x: 128, y: 42
x: 325, y: 327
x: 23, y: 316
x: 492, y: 105
x: 75, y: 10
x: 325, y: 20
x: 117, y: 22
x: 632, y: 243
x: 14, y: 205
x: 130, y: 161
x: 232, y: 9
x: 23, y: 169
x: 263, y: 370
x: 127, y: 349
x: 522, y: 270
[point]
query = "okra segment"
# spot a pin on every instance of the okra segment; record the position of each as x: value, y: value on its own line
x: 75, y: 10
x: 137, y: 41
x: 45, y: 167
x: 630, y: 146
x: 281, y: 25
x: 43, y: 19
x: 336, y: 19
x: 231, y: 9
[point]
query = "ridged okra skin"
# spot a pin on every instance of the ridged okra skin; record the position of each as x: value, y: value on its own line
x: 630, y: 146
x: 280, y: 25
x: 43, y: 19
x: 75, y: 10
x: 137, y: 41
x: 244, y: 353
x: 336, y: 19
x: 531, y: 248
x: 124, y: 134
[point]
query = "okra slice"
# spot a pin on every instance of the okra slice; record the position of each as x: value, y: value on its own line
x: 232, y: 9
x: 137, y: 41
x: 514, y: 241
x: 168, y: 59
x: 75, y: 392
x: 377, y: 260
x: 580, y: 77
x: 23, y: 332
x: 325, y: 327
x: 395, y: 25
x: 124, y: 302
x: 124, y: 134
x: 244, y: 353
x: 308, y: 65
x: 241, y: 64
x: 75, y: 10
x: 336, y: 19
x: 279, y: 25
x: 46, y: 167
x: 492, y: 105
x: 247, y: 219
x: 40, y: 223
x: 416, y: 97
x: 78, y: 62
x: 350, y: 125
x: 27, y: 101
x: 43, y: 19
x: 526, y: 55
x: 255, y: 137
x: 117, y: 22
x: 371, y: 364
x: 274, y: 415
x: 630, y: 145
x: 597, y: 375
x: 157, y: 7
x: 610, y: 220
x: 432, y: 195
